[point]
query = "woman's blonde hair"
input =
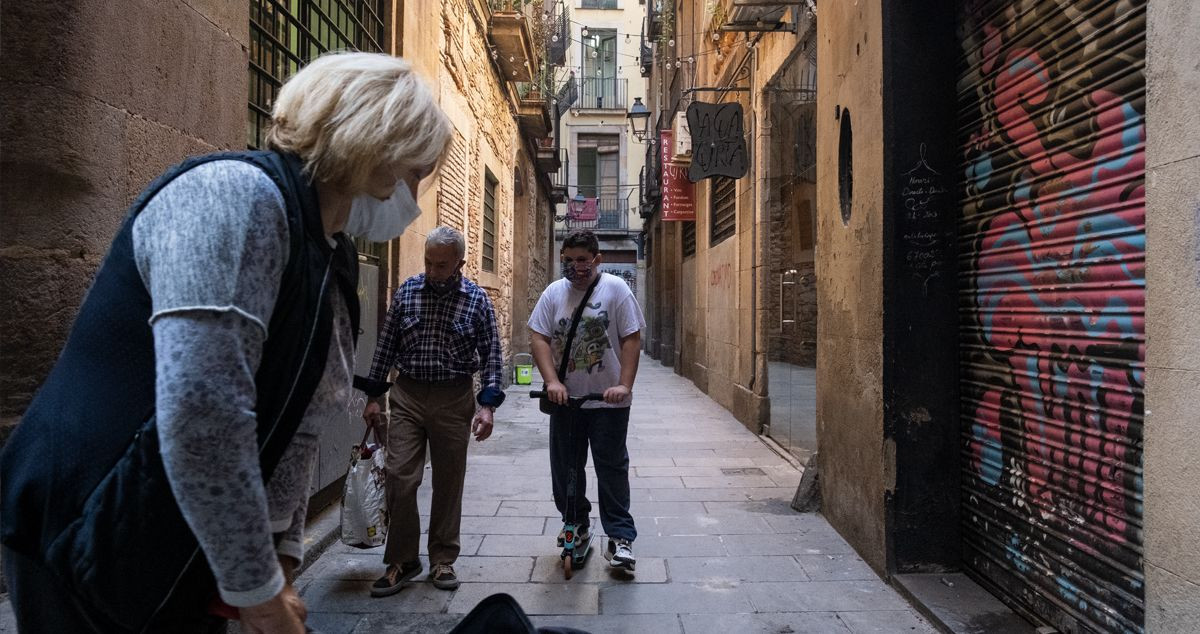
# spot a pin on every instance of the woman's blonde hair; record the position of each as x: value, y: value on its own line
x: 345, y: 114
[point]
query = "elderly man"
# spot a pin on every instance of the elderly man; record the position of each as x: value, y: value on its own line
x: 439, y: 331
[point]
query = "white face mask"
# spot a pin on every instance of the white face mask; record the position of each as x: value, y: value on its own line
x: 381, y: 220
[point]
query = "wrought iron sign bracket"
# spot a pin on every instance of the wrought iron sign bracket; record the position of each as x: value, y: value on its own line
x: 729, y: 89
x: 759, y: 27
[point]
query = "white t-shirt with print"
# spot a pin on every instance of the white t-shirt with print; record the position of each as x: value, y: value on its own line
x: 612, y: 312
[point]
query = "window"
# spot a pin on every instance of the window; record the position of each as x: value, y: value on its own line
x: 688, y: 230
x: 284, y: 35
x: 599, y: 4
x: 489, y: 222
x: 723, y: 201
x: 597, y: 164
x: 600, y: 87
x: 597, y: 177
x: 846, y: 166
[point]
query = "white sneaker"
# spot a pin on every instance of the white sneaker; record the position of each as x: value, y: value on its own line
x: 620, y: 554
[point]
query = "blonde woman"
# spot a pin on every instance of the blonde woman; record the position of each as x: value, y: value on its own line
x: 159, y: 479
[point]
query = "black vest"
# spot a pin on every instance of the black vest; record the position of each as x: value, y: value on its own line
x: 82, y: 485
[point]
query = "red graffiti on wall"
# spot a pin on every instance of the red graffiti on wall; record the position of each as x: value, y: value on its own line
x: 1054, y: 205
x: 718, y: 275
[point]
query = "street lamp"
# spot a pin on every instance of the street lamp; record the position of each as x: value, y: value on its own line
x: 639, y: 118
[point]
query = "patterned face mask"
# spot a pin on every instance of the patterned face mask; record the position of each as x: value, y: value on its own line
x: 577, y: 270
x: 443, y: 287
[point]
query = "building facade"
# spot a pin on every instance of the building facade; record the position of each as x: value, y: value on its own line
x: 1004, y: 242
x: 733, y: 289
x: 602, y: 64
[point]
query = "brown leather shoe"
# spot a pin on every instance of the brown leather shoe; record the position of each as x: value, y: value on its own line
x: 393, y: 580
x: 444, y: 577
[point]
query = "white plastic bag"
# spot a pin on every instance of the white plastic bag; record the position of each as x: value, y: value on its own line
x: 364, y: 503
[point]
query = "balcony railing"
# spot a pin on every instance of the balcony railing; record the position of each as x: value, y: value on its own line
x: 654, y: 18
x: 558, y: 179
x: 606, y: 93
x: 612, y: 214
x: 556, y: 47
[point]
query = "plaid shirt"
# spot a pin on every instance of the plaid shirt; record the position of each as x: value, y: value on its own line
x: 433, y: 338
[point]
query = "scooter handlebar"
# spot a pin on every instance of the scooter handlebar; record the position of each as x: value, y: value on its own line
x: 573, y: 400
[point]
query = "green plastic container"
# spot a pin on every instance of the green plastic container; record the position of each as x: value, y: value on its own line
x: 523, y: 368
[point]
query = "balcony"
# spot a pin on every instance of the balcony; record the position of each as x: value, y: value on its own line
x: 608, y: 93
x: 509, y: 33
x: 558, y: 34
x: 533, y: 112
x: 550, y: 160
x: 654, y: 10
x: 558, y: 179
x: 606, y: 214
x: 649, y: 192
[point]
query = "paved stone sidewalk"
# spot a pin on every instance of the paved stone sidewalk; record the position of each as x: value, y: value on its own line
x: 719, y: 550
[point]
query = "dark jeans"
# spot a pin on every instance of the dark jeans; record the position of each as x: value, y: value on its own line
x: 571, y: 431
x: 41, y: 604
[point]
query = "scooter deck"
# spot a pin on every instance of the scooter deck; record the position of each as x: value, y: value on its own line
x: 579, y: 553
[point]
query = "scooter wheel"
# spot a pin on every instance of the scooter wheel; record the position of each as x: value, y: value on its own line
x: 567, y: 570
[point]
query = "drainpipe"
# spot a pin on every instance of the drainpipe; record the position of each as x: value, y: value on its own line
x: 756, y: 264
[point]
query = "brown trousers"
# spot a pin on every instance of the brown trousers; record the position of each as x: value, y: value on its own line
x: 438, y: 415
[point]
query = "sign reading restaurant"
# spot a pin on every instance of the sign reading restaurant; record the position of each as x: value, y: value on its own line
x: 678, y: 203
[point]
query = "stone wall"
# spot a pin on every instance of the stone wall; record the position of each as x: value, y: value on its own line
x: 855, y: 467
x: 476, y: 99
x: 1172, y: 556
x: 97, y: 97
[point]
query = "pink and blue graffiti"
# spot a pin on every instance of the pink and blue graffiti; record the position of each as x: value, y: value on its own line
x: 1053, y: 245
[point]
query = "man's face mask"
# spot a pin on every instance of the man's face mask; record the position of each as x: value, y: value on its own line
x: 382, y: 220
x: 578, y: 269
x: 443, y: 287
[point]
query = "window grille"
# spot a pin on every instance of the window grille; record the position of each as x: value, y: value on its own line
x: 688, y: 231
x: 723, y: 201
x: 489, y: 223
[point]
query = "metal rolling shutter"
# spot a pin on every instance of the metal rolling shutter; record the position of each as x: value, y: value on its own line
x: 1052, y: 251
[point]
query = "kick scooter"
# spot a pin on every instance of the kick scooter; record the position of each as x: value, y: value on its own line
x: 575, y: 548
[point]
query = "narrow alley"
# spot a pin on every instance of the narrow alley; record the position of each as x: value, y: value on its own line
x: 940, y: 258
x: 719, y: 548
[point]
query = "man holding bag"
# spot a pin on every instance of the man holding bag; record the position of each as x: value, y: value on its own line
x: 603, y: 358
x: 440, y: 330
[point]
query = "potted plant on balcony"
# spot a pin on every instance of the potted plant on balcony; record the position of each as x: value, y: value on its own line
x: 533, y: 111
x: 513, y: 47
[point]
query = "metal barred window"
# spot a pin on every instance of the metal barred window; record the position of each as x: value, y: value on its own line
x: 489, y: 223
x: 724, y: 208
x: 688, y: 232
x: 286, y: 34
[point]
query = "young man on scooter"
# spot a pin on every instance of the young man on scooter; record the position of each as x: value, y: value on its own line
x: 603, y: 359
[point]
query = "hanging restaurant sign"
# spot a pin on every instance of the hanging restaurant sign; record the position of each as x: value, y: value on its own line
x: 718, y: 144
x: 677, y: 200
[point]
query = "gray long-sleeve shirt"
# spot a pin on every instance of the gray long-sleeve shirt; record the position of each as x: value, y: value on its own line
x: 211, y: 247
